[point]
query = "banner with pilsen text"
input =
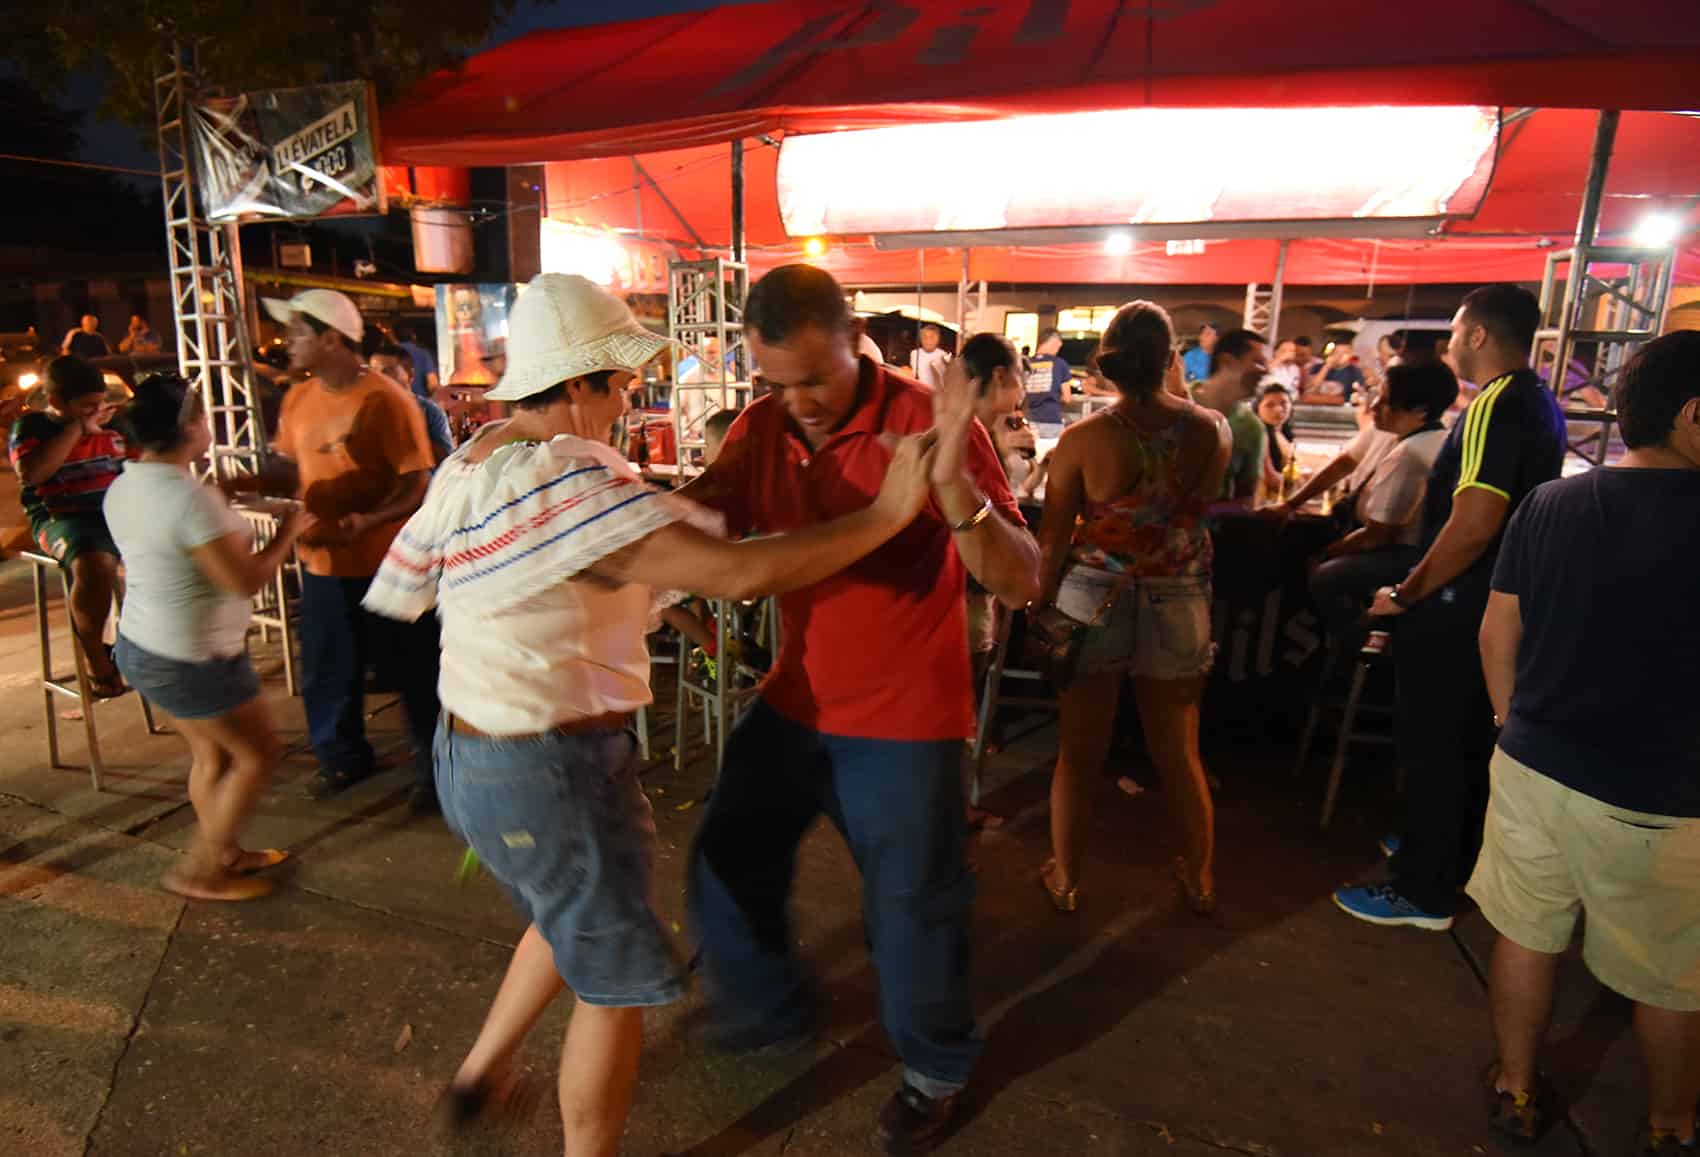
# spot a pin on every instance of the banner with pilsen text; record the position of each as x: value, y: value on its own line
x: 287, y: 154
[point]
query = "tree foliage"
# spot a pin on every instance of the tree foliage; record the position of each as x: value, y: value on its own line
x: 60, y: 207
x: 243, y: 45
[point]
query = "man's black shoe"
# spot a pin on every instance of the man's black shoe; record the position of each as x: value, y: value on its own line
x: 329, y: 782
x: 913, y: 1122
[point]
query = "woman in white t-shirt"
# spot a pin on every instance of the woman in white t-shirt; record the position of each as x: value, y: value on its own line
x: 1386, y: 544
x: 190, y: 571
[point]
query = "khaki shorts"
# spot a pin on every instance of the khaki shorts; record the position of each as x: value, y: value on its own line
x: 1549, y: 851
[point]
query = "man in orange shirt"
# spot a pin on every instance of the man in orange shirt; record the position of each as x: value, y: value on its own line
x: 351, y: 445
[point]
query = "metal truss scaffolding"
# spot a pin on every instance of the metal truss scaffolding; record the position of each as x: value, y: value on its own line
x: 1263, y: 305
x: 705, y: 314
x: 1599, y: 303
x: 206, y: 284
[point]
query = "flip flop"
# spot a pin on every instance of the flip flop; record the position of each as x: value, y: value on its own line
x: 247, y: 863
x: 218, y: 888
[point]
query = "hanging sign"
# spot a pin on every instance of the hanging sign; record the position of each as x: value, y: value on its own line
x: 287, y: 154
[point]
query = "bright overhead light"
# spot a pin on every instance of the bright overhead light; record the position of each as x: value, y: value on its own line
x: 814, y: 247
x: 1658, y: 230
x: 838, y: 184
x: 1118, y: 243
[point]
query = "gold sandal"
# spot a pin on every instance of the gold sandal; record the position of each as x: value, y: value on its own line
x: 1202, y: 901
x: 1062, y: 899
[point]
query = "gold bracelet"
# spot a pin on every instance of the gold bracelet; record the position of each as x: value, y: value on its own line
x: 974, y: 519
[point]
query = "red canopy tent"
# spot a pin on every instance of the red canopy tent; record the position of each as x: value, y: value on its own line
x: 671, y: 90
x: 1531, y: 206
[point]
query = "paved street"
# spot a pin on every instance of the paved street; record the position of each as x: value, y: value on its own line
x: 327, y: 1018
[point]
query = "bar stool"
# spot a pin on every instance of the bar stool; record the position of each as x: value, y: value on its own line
x: 1351, y: 708
x: 274, y: 609
x: 725, y: 698
x: 992, y: 697
x: 52, y: 684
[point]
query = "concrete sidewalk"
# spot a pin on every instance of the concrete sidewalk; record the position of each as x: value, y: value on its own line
x: 326, y: 1018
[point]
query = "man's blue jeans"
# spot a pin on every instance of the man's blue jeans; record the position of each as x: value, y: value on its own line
x: 900, y: 808
x: 339, y: 638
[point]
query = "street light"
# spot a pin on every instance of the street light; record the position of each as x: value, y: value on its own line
x: 1658, y: 230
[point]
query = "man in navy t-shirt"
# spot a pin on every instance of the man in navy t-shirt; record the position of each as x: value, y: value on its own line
x: 1591, y: 647
x: 1048, y: 379
x: 425, y: 381
x: 1508, y: 442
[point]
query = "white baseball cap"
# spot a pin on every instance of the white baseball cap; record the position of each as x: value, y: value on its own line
x: 563, y: 326
x: 324, y: 305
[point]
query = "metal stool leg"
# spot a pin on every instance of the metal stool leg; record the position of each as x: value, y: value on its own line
x: 44, y: 647
x: 679, y: 704
x: 989, y: 702
x: 725, y: 673
x: 85, y: 699
x: 286, y: 634
x: 1315, y: 712
x: 1359, y: 675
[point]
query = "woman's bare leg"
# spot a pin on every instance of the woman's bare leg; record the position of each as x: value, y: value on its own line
x: 93, y: 576
x: 530, y: 984
x: 1168, y: 712
x: 1088, y: 708
x: 599, y: 1067
x: 207, y: 765
x: 234, y: 757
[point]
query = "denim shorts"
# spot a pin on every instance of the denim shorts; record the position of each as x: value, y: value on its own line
x: 562, y: 821
x: 1157, y: 628
x: 204, y: 690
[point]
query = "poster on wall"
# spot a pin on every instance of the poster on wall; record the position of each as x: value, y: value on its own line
x: 287, y: 154
x: 472, y: 333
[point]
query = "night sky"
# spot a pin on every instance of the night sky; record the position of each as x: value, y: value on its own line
x: 110, y: 144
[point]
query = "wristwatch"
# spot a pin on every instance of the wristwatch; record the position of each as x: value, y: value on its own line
x: 1397, y: 599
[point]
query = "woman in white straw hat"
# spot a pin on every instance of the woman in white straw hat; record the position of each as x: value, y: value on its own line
x: 541, y: 550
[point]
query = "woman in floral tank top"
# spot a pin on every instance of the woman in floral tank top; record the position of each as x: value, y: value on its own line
x: 1127, y: 552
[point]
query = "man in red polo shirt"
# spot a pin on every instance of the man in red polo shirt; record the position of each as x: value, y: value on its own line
x: 865, y: 712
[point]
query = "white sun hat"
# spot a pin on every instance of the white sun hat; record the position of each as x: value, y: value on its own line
x: 326, y: 306
x: 564, y: 326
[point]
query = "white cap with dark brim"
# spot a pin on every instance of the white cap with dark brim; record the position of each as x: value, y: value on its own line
x: 328, y: 306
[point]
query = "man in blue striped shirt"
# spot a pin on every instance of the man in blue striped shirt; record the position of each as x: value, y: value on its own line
x: 1508, y: 442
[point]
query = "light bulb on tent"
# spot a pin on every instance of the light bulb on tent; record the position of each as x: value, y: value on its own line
x: 1657, y: 230
x: 814, y: 247
x: 1118, y: 243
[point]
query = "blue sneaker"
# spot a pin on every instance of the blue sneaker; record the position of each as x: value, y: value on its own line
x: 1389, y: 846
x: 1381, y: 904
